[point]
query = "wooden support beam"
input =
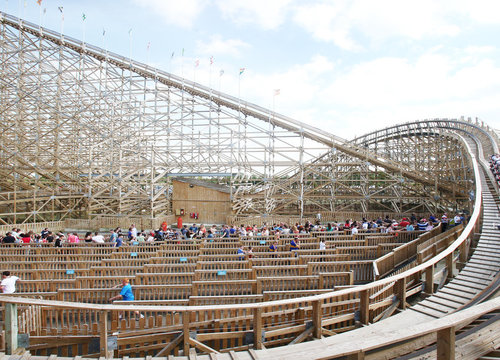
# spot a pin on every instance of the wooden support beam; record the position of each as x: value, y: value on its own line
x: 304, y: 335
x: 446, y: 344
x: 360, y: 355
x: 449, y: 266
x: 11, y: 329
x: 186, y: 315
x: 429, y: 280
x: 199, y: 345
x: 171, y: 345
x: 316, y: 318
x: 103, y: 342
x: 257, y: 328
x: 401, y: 293
x: 364, y: 307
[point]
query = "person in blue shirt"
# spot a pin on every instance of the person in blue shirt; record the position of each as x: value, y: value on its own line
x: 294, y: 244
x: 119, y: 241
x: 125, y: 294
x: 241, y: 251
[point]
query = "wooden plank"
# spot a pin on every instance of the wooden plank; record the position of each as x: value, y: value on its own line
x: 303, y: 336
x: 284, y: 331
x: 199, y: 345
x: 171, y: 345
x: 221, y: 335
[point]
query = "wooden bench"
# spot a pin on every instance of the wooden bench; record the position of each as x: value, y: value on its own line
x: 170, y: 267
x: 177, y: 253
x: 98, y: 282
x: 164, y: 278
x: 331, y: 280
x: 228, y: 264
x: 114, y: 270
x: 224, y: 274
x: 225, y: 299
x: 291, y: 294
x: 287, y: 283
x: 225, y: 287
x: 282, y: 270
x: 42, y: 286
x: 316, y: 267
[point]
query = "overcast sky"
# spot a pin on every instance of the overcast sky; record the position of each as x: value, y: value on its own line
x: 348, y: 67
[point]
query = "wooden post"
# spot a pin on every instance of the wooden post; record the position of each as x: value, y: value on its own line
x: 186, y: 315
x: 449, y: 266
x: 316, y: 318
x: 11, y: 329
x: 257, y: 328
x: 364, y: 307
x: 429, y: 280
x: 446, y: 344
x: 400, y: 292
x: 103, y: 339
x: 360, y: 355
x: 463, y: 253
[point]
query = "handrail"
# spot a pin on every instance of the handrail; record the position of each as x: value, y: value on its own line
x: 384, y: 338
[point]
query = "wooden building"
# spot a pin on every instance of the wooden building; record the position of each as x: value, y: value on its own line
x: 200, y: 202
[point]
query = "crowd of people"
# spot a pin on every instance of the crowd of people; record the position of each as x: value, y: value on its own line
x: 117, y: 237
x: 495, y: 167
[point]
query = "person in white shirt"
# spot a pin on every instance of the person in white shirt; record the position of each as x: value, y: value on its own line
x: 134, y: 231
x: 322, y: 245
x: 99, y: 239
x: 8, y: 284
x: 354, y: 230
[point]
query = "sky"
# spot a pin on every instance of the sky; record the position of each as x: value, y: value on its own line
x: 345, y: 66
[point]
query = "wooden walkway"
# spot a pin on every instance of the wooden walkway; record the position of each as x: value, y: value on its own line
x: 481, y: 271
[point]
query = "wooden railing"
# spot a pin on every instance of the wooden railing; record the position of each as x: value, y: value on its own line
x: 101, y: 222
x: 424, y: 247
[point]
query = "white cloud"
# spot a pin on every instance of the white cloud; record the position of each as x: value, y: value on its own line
x: 180, y: 13
x: 339, y: 22
x: 266, y: 14
x: 327, y: 23
x: 298, y: 85
x: 480, y: 11
x: 219, y: 46
x: 370, y: 95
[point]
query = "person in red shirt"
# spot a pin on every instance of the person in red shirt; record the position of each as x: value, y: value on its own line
x: 26, y: 238
x: 404, y: 223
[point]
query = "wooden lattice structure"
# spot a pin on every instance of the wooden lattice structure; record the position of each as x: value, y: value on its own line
x: 86, y: 132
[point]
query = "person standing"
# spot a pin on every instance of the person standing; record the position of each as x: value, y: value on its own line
x: 126, y: 294
x: 8, y: 284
